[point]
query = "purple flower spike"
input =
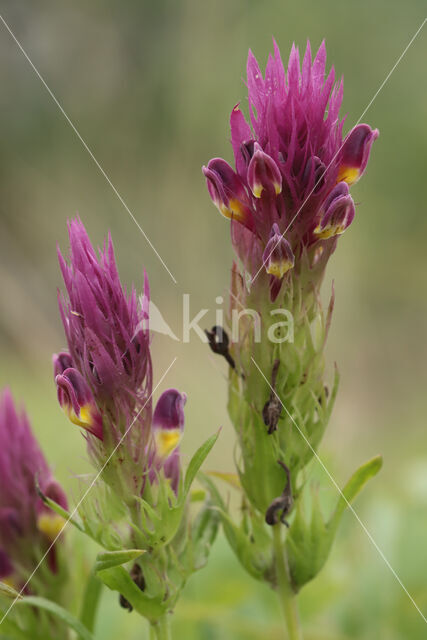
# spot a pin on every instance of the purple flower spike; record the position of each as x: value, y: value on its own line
x: 227, y: 191
x: 355, y: 153
x: 26, y: 524
x: 263, y: 173
x: 77, y: 401
x: 338, y: 213
x: 106, y: 329
x: 168, y: 422
x: 278, y: 257
x: 290, y: 147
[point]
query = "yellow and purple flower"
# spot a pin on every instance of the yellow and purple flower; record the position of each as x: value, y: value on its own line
x: 77, y: 401
x: 27, y: 526
x: 355, y: 152
x: 337, y: 213
x: 278, y: 259
x: 168, y: 428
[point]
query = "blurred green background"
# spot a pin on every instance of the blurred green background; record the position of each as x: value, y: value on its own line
x: 149, y: 85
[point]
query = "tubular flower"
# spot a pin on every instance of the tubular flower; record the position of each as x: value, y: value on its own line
x: 168, y: 428
x: 227, y: 191
x: 355, y: 153
x: 76, y: 399
x: 263, y: 173
x: 27, y: 526
x: 278, y: 259
x: 338, y: 212
x: 168, y: 421
x: 290, y: 155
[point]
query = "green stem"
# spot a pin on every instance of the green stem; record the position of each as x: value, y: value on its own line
x: 284, y: 589
x: 90, y: 601
x: 161, y: 629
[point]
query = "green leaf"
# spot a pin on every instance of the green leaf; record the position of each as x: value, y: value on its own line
x: 196, y: 462
x: 354, y: 486
x: 159, y: 525
x: 308, y: 544
x: 118, y: 579
x: 249, y: 551
x: 59, y: 612
x: 111, y: 559
x: 9, y: 592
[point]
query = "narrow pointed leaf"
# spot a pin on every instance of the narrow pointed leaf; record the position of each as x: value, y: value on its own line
x: 354, y: 486
x: 59, y: 612
x: 111, y: 559
x: 196, y: 462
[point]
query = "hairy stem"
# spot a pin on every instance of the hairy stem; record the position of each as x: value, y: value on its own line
x: 284, y: 589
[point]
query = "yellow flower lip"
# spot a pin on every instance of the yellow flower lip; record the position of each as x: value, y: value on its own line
x: 329, y: 231
x: 50, y: 524
x: 234, y: 211
x: 347, y: 174
x: 84, y: 419
x: 258, y: 188
x: 166, y: 441
x: 279, y: 269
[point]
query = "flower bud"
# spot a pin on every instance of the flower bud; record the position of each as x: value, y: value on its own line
x: 61, y: 361
x: 263, y: 173
x: 76, y: 399
x: 355, y: 153
x: 338, y: 213
x: 227, y: 191
x: 278, y: 257
x: 168, y: 422
x: 314, y: 174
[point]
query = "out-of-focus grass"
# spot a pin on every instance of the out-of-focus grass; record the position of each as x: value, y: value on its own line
x: 150, y: 86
